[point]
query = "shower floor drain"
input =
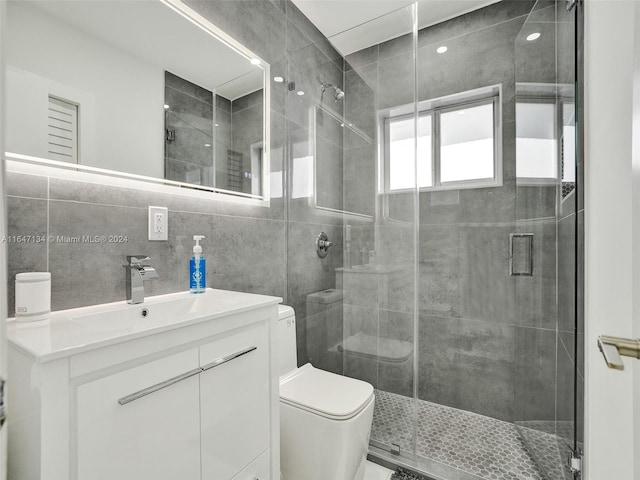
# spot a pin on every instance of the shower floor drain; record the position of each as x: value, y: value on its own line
x: 482, y: 446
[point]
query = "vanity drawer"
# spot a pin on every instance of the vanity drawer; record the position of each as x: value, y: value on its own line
x: 234, y: 401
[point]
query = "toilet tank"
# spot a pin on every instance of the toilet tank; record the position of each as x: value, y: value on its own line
x: 288, y: 356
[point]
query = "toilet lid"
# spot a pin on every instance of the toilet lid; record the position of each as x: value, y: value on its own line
x: 324, y: 393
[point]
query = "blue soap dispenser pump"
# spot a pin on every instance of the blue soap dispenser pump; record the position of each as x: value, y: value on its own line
x: 197, y: 268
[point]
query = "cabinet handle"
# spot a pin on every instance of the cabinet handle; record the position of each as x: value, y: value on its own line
x: 158, y: 386
x: 219, y: 361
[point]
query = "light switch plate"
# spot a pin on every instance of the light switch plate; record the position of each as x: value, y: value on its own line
x: 158, y: 223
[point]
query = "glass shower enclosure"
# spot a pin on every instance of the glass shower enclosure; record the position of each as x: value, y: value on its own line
x: 447, y: 176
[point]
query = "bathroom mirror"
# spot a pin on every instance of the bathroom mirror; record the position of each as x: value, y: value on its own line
x: 146, y: 89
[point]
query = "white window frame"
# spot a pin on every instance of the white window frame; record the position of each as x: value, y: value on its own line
x: 491, y: 95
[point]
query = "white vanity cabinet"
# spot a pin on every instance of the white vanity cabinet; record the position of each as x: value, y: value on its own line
x: 196, y: 399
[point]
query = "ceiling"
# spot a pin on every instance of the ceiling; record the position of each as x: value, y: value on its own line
x: 352, y: 25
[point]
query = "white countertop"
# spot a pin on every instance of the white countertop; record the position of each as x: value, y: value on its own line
x: 77, y: 330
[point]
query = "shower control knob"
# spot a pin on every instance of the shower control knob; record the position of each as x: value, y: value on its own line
x: 323, y: 244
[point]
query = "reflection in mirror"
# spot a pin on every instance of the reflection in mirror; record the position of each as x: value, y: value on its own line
x: 211, y: 140
x: 94, y: 84
x: 335, y: 140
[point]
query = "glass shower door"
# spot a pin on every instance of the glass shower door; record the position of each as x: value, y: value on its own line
x: 378, y: 277
x: 549, y: 204
x: 497, y: 252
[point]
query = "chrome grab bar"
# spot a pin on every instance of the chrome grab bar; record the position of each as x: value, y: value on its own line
x: 613, y: 347
x: 219, y: 361
x: 171, y: 381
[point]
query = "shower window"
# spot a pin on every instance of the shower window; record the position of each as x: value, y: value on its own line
x: 536, y: 147
x: 457, y: 147
x: 545, y: 136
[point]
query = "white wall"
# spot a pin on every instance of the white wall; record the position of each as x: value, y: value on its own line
x: 610, y: 229
x: 121, y: 97
x: 3, y: 249
x: 636, y: 231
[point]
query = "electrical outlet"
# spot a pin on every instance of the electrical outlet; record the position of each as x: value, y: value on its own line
x: 158, y: 223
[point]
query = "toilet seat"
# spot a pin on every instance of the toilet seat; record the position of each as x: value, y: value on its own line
x: 323, y: 393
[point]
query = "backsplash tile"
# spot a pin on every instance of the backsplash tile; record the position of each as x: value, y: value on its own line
x: 27, y: 228
x: 86, y: 271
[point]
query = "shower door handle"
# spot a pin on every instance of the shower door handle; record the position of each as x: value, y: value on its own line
x: 613, y: 347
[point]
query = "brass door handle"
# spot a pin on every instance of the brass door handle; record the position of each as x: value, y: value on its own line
x: 613, y: 347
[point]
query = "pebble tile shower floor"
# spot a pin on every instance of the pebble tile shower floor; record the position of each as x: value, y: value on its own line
x: 488, y: 448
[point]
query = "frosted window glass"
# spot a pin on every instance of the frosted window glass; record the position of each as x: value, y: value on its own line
x: 302, y: 180
x: 536, y: 147
x: 467, y: 144
x: 401, y: 157
x: 568, y: 142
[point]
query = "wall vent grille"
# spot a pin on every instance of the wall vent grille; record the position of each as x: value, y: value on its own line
x: 62, y: 130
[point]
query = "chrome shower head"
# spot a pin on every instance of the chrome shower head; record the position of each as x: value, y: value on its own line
x: 338, y: 93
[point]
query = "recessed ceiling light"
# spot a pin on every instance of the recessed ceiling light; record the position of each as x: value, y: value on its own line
x: 166, y: 107
x: 255, y: 61
x: 442, y: 49
x: 533, y: 36
x: 207, y: 144
x: 278, y: 79
x: 300, y: 92
x: 217, y: 124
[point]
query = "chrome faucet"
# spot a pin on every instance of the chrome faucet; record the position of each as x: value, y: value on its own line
x: 137, y: 273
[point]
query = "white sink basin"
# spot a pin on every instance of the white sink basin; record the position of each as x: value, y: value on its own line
x: 157, y: 311
x: 85, y: 328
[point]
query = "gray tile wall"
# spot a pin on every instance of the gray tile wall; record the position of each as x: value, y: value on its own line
x: 313, y: 132
x: 91, y: 273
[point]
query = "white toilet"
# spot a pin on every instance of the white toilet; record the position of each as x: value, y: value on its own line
x: 325, y: 419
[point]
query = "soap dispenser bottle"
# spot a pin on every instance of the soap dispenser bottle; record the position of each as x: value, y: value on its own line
x: 197, y: 268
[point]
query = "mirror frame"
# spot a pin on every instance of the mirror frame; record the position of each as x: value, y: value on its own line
x: 16, y: 162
